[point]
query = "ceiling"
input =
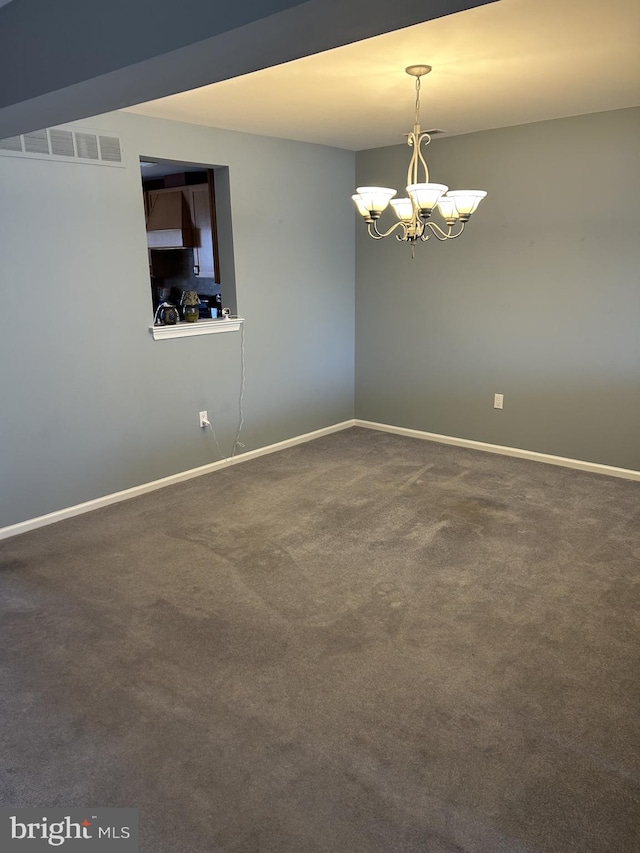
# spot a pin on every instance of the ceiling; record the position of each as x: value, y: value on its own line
x: 510, y: 62
x: 126, y: 52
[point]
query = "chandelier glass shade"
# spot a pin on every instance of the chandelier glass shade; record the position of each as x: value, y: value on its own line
x: 414, y: 212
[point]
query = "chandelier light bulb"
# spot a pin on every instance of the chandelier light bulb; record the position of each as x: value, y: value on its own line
x: 374, y: 199
x: 403, y: 208
x: 414, y: 212
x: 448, y: 210
x: 426, y: 196
x: 359, y: 203
x: 466, y: 201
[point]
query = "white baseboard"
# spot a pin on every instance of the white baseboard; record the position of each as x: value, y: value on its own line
x: 565, y: 462
x: 106, y: 500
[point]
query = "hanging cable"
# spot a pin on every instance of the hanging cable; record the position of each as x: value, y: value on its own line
x: 237, y: 443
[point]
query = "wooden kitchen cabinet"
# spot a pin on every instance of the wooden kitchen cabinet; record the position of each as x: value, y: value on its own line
x: 169, y: 220
x: 205, y: 255
x: 190, y: 223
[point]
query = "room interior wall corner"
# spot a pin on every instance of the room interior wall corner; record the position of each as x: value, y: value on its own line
x: 538, y: 300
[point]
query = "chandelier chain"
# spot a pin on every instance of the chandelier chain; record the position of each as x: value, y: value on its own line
x: 417, y: 121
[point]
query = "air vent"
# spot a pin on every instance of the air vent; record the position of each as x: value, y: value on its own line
x: 435, y: 132
x: 36, y: 142
x: 87, y: 146
x: 110, y: 149
x: 62, y: 143
x: 70, y: 145
x: 12, y: 143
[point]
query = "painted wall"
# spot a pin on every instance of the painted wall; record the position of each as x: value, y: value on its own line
x: 126, y: 52
x: 539, y: 300
x: 91, y: 404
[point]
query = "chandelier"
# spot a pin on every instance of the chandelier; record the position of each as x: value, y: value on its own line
x: 414, y: 212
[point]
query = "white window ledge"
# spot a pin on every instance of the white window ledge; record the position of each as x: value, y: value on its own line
x: 200, y: 327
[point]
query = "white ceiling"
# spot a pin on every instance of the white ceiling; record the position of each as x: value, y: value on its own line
x: 506, y: 63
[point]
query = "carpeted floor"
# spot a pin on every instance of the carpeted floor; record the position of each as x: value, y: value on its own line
x: 363, y: 644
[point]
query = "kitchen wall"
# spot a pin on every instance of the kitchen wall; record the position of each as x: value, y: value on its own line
x: 91, y: 404
x: 539, y: 300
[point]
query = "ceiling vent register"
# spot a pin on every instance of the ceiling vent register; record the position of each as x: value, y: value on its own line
x: 62, y: 144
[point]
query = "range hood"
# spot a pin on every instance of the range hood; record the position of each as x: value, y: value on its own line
x: 169, y: 221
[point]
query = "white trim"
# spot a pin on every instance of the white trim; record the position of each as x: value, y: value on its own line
x: 200, y: 327
x: 106, y: 500
x: 563, y: 461
x: 135, y: 491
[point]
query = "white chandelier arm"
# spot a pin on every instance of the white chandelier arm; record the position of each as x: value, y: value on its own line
x: 441, y: 235
x: 414, y: 141
x: 372, y: 228
x: 412, y: 168
x: 421, y: 139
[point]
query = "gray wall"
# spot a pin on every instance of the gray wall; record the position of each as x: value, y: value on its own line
x: 538, y: 300
x: 91, y: 404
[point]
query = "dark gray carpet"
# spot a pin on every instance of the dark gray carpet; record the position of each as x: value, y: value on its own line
x: 363, y: 644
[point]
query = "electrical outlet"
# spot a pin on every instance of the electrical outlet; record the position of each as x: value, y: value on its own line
x: 204, y: 419
x: 498, y: 401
